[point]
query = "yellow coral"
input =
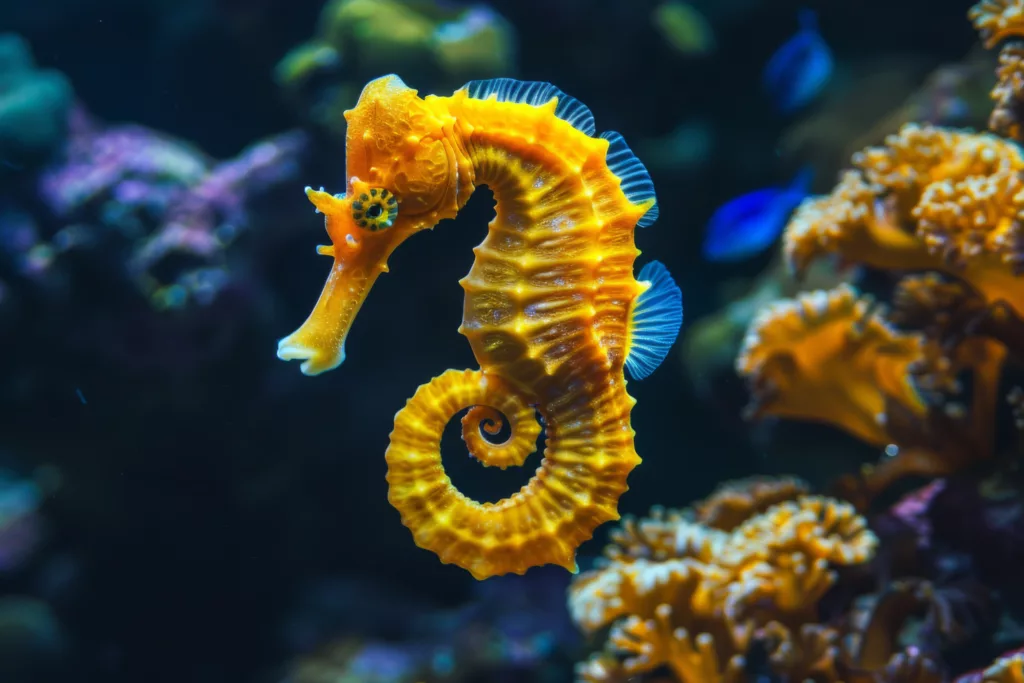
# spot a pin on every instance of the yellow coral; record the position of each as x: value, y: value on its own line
x: 974, y: 225
x: 809, y: 654
x: 970, y: 217
x: 788, y: 589
x: 930, y: 198
x: 697, y: 612
x: 601, y: 668
x: 693, y: 658
x: 733, y: 502
x: 814, y: 526
x: 854, y: 223
x: 920, y: 155
x: 782, y: 559
x: 1008, y: 93
x: 663, y: 535
x: 599, y: 597
x: 997, y: 20
x: 826, y: 357
x: 1005, y: 670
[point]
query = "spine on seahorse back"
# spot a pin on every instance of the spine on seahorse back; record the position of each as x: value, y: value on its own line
x: 546, y: 305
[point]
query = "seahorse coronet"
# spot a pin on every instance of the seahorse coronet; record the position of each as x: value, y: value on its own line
x: 548, y: 312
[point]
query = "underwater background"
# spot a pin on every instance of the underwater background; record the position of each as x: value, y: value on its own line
x: 830, y: 485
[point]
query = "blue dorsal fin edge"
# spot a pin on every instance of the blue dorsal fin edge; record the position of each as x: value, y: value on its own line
x: 636, y: 181
x: 535, y: 93
x: 654, y: 322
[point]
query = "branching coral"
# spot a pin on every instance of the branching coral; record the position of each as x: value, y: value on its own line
x: 996, y: 21
x: 810, y: 654
x: 649, y: 643
x: 735, y: 501
x: 929, y: 199
x: 663, y: 535
x: 1009, y: 93
x: 786, y: 595
x: 697, y: 609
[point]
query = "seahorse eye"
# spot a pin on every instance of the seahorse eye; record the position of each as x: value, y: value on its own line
x: 375, y: 209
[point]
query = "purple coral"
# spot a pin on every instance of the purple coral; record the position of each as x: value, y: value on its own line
x: 165, y: 205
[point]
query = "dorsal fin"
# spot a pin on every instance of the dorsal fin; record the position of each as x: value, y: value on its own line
x: 636, y: 181
x: 536, y: 93
x: 654, y: 321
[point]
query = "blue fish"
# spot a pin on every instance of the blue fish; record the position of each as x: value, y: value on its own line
x: 749, y: 224
x: 800, y: 69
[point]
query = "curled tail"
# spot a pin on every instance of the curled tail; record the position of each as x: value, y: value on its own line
x: 587, y: 458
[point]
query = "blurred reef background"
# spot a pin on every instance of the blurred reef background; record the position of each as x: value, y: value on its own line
x: 176, y: 504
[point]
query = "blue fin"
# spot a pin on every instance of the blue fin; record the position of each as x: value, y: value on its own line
x: 636, y: 181
x: 655, y: 321
x: 536, y: 93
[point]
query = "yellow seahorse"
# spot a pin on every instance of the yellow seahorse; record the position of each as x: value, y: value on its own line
x: 552, y: 310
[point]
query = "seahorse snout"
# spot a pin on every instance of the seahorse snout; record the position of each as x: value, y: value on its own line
x: 320, y: 340
x: 316, y: 359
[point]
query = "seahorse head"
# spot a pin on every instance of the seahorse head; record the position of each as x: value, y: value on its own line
x: 402, y: 167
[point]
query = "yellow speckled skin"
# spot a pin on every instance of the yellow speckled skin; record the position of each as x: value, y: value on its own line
x: 546, y: 308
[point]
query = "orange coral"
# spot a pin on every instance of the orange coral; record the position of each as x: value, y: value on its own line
x: 601, y: 668
x: 1008, y: 113
x: 809, y: 654
x: 661, y: 642
x: 696, y: 609
x: 813, y: 526
x: 973, y: 223
x: 929, y: 199
x: 865, y: 219
x: 854, y: 223
x: 782, y: 560
x: 1008, y: 669
x: 920, y: 155
x: 735, y: 501
x: 830, y: 357
x: 827, y: 357
x: 664, y: 534
x: 997, y: 20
